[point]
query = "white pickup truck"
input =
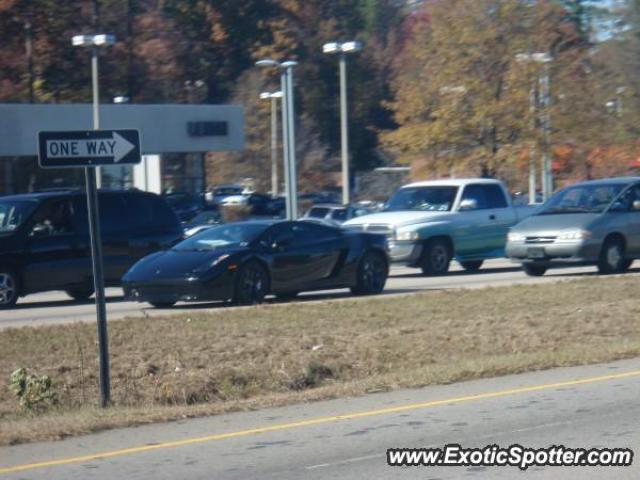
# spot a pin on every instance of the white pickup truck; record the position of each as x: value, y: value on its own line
x: 429, y: 223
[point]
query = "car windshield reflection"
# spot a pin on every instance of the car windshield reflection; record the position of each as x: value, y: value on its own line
x: 14, y: 213
x: 439, y: 199
x: 583, y: 199
x: 228, y: 235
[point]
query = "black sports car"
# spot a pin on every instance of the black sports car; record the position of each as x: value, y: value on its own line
x: 245, y: 261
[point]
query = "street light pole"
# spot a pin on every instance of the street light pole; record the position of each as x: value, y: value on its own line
x: 546, y: 174
x: 344, y: 130
x: 342, y: 49
x: 95, y: 41
x: 291, y: 134
x: 288, y: 132
x: 274, y: 138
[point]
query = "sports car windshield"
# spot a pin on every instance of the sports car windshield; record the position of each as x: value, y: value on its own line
x: 14, y: 213
x: 438, y: 199
x: 593, y: 198
x: 228, y: 235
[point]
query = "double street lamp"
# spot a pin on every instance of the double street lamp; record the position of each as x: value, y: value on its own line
x: 342, y: 49
x: 273, y: 96
x: 544, y: 94
x: 288, y: 132
x: 95, y: 42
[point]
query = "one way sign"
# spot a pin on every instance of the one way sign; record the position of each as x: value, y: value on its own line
x: 90, y: 148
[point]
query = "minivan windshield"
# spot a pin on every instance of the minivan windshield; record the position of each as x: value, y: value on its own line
x: 226, y: 235
x: 585, y: 198
x: 13, y: 213
x: 435, y: 198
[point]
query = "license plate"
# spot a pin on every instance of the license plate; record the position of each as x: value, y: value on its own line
x: 535, y: 253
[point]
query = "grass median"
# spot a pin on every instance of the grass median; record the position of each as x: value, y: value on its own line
x: 233, y: 359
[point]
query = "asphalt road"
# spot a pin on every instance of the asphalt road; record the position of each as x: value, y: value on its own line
x: 580, y: 407
x: 56, y: 307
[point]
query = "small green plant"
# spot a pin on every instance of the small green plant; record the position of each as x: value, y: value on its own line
x: 33, y: 392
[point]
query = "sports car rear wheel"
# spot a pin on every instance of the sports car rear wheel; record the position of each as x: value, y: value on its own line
x: 252, y: 284
x: 372, y: 274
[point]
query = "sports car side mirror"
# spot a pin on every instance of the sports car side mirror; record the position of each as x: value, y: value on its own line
x: 635, y: 205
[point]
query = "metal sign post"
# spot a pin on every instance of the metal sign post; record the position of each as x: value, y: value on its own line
x: 89, y: 150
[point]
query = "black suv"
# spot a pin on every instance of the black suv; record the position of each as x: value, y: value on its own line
x: 44, y: 239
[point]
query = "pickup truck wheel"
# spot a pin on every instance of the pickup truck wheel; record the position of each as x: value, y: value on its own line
x: 436, y: 258
x: 534, y: 270
x: 472, y: 265
x: 612, y: 257
x: 8, y: 289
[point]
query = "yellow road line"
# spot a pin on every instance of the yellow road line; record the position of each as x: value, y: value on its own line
x: 314, y: 421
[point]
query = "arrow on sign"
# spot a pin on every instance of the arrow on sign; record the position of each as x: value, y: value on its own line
x: 116, y: 147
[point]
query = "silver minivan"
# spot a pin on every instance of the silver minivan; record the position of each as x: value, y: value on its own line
x: 592, y: 223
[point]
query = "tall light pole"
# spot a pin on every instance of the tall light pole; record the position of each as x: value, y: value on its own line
x: 288, y: 132
x: 546, y: 174
x: 273, y: 96
x: 342, y: 49
x: 95, y: 42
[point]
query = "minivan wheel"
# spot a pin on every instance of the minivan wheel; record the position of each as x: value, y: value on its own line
x: 436, y: 258
x: 612, y: 257
x: 534, y: 270
x: 80, y: 294
x: 8, y: 289
x: 471, y: 265
x: 252, y: 284
x: 372, y: 274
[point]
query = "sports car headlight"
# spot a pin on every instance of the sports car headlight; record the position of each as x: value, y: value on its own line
x: 407, y: 235
x: 515, y: 237
x: 574, y: 235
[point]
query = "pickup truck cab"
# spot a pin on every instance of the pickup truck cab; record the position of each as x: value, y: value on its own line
x: 429, y: 223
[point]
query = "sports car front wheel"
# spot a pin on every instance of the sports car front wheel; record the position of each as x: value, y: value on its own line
x: 252, y: 284
x: 372, y: 274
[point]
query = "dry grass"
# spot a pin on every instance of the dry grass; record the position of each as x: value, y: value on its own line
x: 168, y: 368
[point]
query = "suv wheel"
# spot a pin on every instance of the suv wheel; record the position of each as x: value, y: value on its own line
x: 534, y: 270
x: 436, y: 258
x: 80, y: 294
x: 8, y: 289
x: 372, y: 274
x: 612, y: 257
x: 252, y: 284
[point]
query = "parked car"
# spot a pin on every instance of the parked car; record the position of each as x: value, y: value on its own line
x: 593, y: 223
x: 220, y: 192
x: 245, y: 261
x: 319, y: 197
x: 204, y: 220
x: 334, y: 214
x: 259, y: 203
x: 185, y: 205
x: 429, y: 223
x: 44, y: 240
